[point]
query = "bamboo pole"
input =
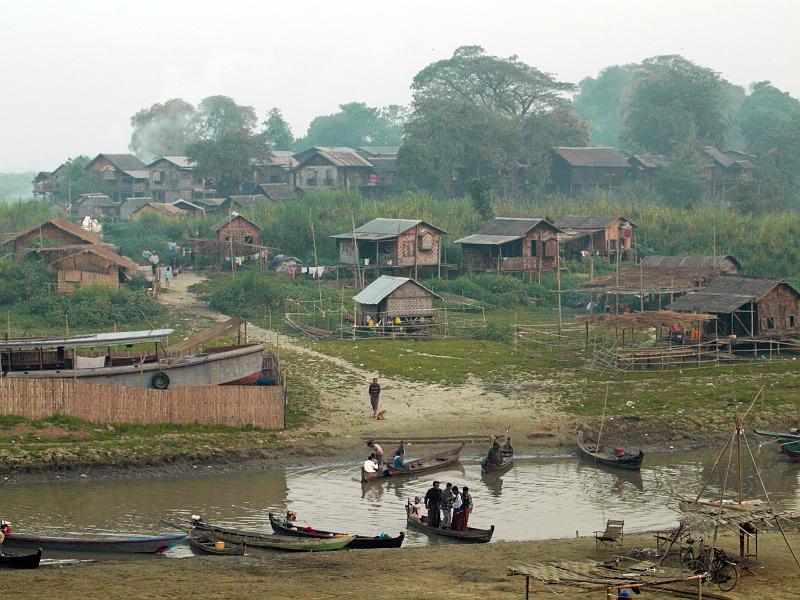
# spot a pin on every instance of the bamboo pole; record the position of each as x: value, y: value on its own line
x: 603, y: 418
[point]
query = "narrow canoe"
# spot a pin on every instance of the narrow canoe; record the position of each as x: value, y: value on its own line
x: 419, y: 466
x: 789, y: 443
x: 361, y: 542
x: 21, y: 561
x: 508, y: 462
x: 472, y: 535
x: 134, y: 545
x: 206, y: 542
x: 276, y: 542
x: 606, y: 456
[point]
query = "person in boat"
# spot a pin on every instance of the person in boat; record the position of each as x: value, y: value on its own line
x: 5, y: 529
x: 433, y: 502
x: 461, y: 514
x: 377, y: 449
x: 495, y: 455
x: 401, y: 449
x: 507, y: 449
x: 416, y: 509
x: 447, y: 505
x: 619, y: 452
x: 370, y: 466
x: 398, y: 462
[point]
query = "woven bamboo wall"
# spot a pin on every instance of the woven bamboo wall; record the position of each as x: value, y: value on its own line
x: 262, y: 406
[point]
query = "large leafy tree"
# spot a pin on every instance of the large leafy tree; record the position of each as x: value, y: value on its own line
x: 221, y: 115
x: 602, y: 100
x: 163, y: 129
x: 277, y: 132
x: 672, y: 99
x: 356, y: 124
x: 73, y: 180
x: 227, y: 160
x: 475, y: 115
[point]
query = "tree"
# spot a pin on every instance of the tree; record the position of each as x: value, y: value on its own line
x: 681, y: 183
x: 163, y: 129
x: 505, y: 85
x: 277, y: 132
x: 73, y: 180
x: 219, y: 116
x: 475, y: 115
x: 227, y: 160
x: 770, y: 123
x: 481, y: 197
x: 672, y: 99
x: 601, y: 102
x: 356, y: 124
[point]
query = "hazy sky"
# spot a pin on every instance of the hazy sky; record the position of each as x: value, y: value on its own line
x: 72, y: 72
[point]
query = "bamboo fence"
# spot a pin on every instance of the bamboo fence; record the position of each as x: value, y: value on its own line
x: 234, y: 406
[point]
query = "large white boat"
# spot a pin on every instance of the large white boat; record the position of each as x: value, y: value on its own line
x: 129, y: 358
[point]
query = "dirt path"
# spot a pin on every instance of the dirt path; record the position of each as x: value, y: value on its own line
x: 414, y: 410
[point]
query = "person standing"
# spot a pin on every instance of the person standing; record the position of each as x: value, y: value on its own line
x: 447, y: 505
x: 461, y: 514
x: 433, y: 502
x: 377, y: 449
x: 374, y: 396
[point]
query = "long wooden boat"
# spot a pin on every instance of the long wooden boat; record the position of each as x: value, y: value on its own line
x: 418, y: 466
x: 275, y: 542
x: 60, y: 357
x: 472, y: 535
x: 360, y: 542
x: 206, y: 542
x: 135, y: 545
x: 789, y: 443
x: 21, y: 561
x: 606, y: 456
x: 508, y: 462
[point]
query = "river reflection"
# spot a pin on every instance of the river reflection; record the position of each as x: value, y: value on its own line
x: 536, y: 499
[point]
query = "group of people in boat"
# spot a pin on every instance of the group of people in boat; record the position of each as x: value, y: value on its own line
x: 498, y: 453
x: 375, y: 462
x: 447, y: 508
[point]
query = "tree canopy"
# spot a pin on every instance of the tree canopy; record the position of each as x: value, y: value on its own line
x: 355, y: 125
x: 277, y: 132
x: 163, y: 129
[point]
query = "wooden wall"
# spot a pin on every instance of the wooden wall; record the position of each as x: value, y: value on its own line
x: 234, y: 406
x: 419, y: 245
x: 778, y: 305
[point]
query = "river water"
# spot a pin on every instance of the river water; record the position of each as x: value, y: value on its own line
x: 539, y: 498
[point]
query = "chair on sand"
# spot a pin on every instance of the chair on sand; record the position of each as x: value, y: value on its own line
x: 612, y: 535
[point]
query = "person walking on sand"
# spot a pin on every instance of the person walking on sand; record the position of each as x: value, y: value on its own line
x: 374, y: 396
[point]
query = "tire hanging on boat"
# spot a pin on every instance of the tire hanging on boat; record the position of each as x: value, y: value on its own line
x: 160, y: 381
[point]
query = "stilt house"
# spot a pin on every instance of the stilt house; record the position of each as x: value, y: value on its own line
x: 604, y: 236
x: 509, y: 244
x: 389, y: 298
x: 392, y: 243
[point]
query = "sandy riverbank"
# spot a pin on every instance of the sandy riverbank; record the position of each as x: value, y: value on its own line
x: 447, y: 571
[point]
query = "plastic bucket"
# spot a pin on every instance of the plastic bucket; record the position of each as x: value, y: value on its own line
x: 219, y: 545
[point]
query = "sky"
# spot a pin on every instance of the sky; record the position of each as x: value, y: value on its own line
x: 72, y: 72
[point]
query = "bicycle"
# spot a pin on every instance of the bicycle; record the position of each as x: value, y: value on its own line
x: 712, y: 561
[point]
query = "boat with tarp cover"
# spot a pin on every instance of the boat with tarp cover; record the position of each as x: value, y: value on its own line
x: 128, y: 358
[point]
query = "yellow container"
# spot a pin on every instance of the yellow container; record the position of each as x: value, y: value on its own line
x: 219, y: 545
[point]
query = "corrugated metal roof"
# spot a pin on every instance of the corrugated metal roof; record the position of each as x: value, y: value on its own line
x: 167, y: 209
x: 116, y: 338
x: 138, y: 173
x: 507, y: 227
x: 182, y: 162
x: 718, y: 156
x: 725, y: 294
x: 383, y: 229
x: 123, y: 162
x: 586, y: 222
x: 380, y: 151
x: 651, y: 160
x: 599, y: 156
x: 488, y: 240
x: 384, y: 285
x: 690, y: 262
x: 249, y: 200
x: 336, y: 155
x: 278, y: 191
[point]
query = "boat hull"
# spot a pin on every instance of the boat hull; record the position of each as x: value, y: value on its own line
x: 21, y: 561
x: 205, y: 543
x: 276, y: 542
x: 589, y: 450
x: 419, y: 466
x: 492, y: 469
x: 139, y: 545
x: 217, y: 368
x: 471, y: 536
x: 361, y: 542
